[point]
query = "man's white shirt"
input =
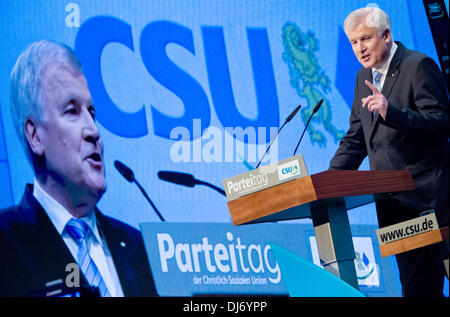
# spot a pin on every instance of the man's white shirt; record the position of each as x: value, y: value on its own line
x: 385, y: 67
x: 98, y: 248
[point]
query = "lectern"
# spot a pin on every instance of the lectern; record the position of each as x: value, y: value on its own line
x: 325, y: 198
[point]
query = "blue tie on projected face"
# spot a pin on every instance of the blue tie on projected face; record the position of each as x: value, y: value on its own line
x: 78, y: 230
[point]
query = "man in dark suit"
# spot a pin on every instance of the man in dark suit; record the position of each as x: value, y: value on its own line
x: 57, y: 224
x: 400, y: 119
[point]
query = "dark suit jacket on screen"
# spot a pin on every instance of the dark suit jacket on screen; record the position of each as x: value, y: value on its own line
x: 414, y: 135
x: 33, y: 252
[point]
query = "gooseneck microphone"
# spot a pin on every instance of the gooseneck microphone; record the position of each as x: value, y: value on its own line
x: 128, y: 174
x: 186, y: 179
x: 289, y: 118
x: 316, y: 108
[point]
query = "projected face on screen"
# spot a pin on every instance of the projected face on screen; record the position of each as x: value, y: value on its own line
x: 67, y: 136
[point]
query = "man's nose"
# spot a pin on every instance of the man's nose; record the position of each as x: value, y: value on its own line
x: 89, y: 131
x: 360, y: 47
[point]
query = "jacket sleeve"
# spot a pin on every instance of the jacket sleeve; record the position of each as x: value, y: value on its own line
x: 427, y: 114
x: 352, y: 148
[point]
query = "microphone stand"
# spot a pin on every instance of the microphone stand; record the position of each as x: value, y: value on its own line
x: 218, y: 189
x: 149, y: 200
x: 289, y: 118
x: 267, y: 150
x: 128, y: 174
x: 316, y: 108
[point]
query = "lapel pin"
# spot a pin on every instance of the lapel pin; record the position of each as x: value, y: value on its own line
x: 122, y: 244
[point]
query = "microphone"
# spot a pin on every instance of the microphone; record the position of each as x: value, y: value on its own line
x: 128, y: 174
x: 186, y: 180
x: 124, y: 170
x: 289, y: 118
x: 316, y: 108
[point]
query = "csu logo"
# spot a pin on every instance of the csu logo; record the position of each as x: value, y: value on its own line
x: 98, y: 32
x: 288, y: 169
x: 293, y: 170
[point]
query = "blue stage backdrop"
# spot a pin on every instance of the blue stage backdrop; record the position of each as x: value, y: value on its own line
x: 199, y: 87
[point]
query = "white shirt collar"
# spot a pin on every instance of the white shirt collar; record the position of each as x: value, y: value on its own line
x: 60, y: 215
x: 385, y: 67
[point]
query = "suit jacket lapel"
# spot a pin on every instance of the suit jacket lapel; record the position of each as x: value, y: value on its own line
x: 391, y: 78
x: 364, y: 92
x: 47, y: 250
x: 117, y: 245
x: 393, y: 71
x: 45, y: 232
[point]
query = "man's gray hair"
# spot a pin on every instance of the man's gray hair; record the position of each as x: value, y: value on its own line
x: 370, y: 16
x: 26, y: 95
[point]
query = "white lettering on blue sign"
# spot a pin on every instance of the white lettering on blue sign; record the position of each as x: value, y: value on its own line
x: 248, y: 182
x: 236, y: 257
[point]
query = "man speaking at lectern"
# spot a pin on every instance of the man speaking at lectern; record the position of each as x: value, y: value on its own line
x: 400, y: 119
x: 57, y: 222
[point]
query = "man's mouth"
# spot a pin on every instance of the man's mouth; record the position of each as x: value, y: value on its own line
x: 365, y: 58
x: 95, y: 159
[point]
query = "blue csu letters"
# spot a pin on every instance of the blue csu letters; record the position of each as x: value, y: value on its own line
x: 97, y: 32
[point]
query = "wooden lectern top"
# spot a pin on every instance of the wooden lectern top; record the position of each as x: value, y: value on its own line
x: 291, y: 200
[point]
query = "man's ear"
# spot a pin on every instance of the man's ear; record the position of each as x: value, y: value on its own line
x: 387, y: 35
x: 32, y: 135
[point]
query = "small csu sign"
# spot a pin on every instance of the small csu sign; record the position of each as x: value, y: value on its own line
x: 289, y: 170
x: 265, y: 177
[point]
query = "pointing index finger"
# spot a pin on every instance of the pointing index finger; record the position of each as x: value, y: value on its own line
x: 374, y: 89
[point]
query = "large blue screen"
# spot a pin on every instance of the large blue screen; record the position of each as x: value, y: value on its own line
x: 198, y: 87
